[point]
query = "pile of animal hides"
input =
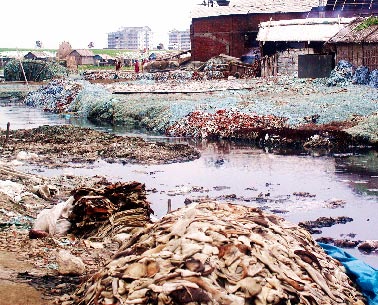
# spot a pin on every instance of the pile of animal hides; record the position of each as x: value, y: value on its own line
x: 115, y: 209
x: 218, y: 253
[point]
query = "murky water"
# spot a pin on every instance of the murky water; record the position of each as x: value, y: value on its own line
x: 298, y: 187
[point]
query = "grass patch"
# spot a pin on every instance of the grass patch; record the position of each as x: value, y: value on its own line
x: 372, y: 20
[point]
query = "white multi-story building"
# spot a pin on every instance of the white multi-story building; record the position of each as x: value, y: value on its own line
x: 179, y: 40
x: 131, y: 38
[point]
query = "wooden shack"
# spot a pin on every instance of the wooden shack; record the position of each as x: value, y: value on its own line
x: 82, y: 57
x: 37, y: 55
x: 357, y: 43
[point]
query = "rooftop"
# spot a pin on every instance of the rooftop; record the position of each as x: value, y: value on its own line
x: 356, y: 32
x: 310, y: 29
x: 241, y: 7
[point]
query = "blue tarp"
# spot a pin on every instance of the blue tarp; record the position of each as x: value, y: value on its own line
x: 365, y: 276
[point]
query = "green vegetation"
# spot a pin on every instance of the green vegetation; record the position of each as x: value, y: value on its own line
x: 372, y: 20
x: 26, y: 50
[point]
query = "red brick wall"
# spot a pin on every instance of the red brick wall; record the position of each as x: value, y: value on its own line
x: 212, y: 36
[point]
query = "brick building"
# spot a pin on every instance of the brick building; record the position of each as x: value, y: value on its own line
x: 232, y: 29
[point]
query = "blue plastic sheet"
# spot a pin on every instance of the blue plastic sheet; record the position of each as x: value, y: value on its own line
x: 365, y: 276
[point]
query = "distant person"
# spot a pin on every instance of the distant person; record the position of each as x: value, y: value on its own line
x: 136, y: 66
x: 118, y: 65
x: 142, y: 62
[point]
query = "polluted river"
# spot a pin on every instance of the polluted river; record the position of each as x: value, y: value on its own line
x: 300, y: 186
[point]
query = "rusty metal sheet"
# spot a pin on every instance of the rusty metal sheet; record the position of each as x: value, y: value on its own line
x: 315, y: 66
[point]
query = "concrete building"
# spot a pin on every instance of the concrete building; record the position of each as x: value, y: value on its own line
x: 131, y: 38
x: 179, y: 40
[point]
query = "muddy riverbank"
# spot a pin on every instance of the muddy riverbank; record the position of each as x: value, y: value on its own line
x: 284, y: 111
x: 57, y: 146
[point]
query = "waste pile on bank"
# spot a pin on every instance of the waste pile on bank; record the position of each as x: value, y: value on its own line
x: 306, y: 104
x: 56, y: 96
x: 177, y: 75
x: 220, y: 254
x: 224, y: 124
x: 35, y: 70
x: 55, y: 146
x: 105, y: 212
x: 345, y: 74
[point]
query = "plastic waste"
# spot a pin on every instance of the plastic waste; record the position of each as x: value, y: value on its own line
x: 373, y: 81
x: 361, y: 76
x: 365, y: 276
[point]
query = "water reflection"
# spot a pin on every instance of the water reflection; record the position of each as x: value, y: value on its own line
x: 360, y: 171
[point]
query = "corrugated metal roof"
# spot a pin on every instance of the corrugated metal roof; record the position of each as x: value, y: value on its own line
x: 255, y: 6
x: 106, y: 57
x: 349, y: 34
x: 39, y: 54
x: 84, y: 52
x: 311, y: 29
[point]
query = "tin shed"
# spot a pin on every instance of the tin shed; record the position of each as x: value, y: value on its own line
x: 286, y: 41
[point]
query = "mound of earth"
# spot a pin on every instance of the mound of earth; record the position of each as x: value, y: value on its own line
x: 56, y: 146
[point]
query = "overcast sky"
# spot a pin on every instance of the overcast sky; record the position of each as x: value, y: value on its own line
x: 82, y: 21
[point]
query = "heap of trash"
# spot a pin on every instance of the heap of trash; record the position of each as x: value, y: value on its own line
x: 218, y: 253
x: 342, y: 74
x: 56, y: 96
x: 345, y: 74
x: 224, y: 124
x: 106, y: 212
x: 33, y: 70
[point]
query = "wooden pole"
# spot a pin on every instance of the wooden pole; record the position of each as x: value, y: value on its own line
x: 169, y: 210
x: 7, y: 134
x: 23, y: 71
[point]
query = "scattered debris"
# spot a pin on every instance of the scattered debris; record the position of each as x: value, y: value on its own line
x: 322, y: 222
x: 115, y: 209
x: 69, y: 264
x: 369, y: 246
